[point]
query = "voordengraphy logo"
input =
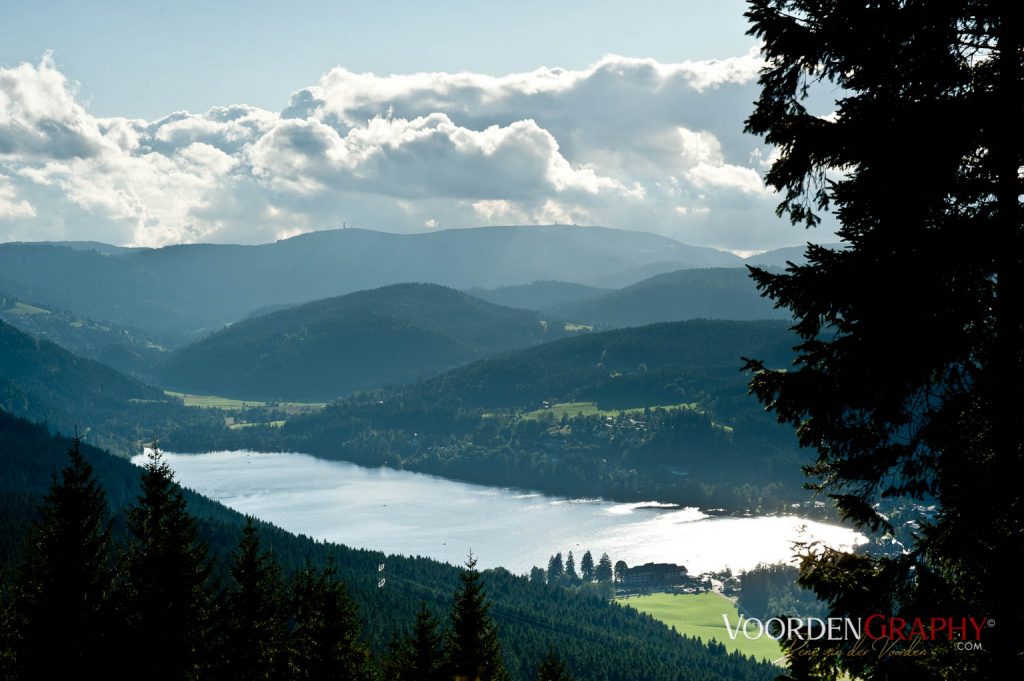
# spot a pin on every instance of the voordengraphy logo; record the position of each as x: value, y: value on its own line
x: 877, y: 627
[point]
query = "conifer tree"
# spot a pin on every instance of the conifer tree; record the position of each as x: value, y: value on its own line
x: 555, y: 569
x: 603, y: 572
x: 570, y: 569
x: 907, y: 388
x: 473, y: 650
x: 166, y: 596
x: 325, y: 641
x: 420, y: 656
x: 62, y: 588
x: 552, y: 668
x: 620, y: 570
x: 537, y: 575
x: 587, y: 567
x: 254, y: 620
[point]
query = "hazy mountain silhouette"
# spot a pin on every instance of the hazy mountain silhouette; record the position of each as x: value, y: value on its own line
x: 780, y: 256
x: 718, y: 293
x: 182, y: 291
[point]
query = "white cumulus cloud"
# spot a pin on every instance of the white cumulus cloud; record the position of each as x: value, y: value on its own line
x: 630, y: 143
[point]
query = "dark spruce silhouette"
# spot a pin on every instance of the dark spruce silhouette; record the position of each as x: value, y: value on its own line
x: 587, y: 632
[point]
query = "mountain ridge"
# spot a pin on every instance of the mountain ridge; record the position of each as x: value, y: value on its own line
x: 331, y: 347
x: 181, y: 292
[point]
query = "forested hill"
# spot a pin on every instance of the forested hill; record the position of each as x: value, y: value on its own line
x: 181, y: 291
x: 620, y: 368
x: 130, y: 351
x: 330, y: 348
x: 598, y: 640
x: 45, y: 383
x: 717, y: 293
x: 780, y: 257
x: 657, y: 412
x: 538, y: 295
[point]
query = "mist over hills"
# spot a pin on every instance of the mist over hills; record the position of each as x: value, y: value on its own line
x: 329, y: 348
x: 180, y: 292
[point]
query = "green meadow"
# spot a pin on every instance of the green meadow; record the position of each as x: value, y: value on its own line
x: 571, y: 409
x: 700, y: 615
x: 229, y: 404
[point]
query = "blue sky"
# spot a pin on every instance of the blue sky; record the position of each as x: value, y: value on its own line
x: 157, y: 123
x: 148, y: 59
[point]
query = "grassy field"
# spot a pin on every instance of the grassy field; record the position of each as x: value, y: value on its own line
x: 244, y: 424
x: 590, y: 409
x: 701, y: 615
x: 26, y: 310
x: 228, y: 404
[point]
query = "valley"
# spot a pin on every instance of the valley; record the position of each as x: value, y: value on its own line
x: 511, y: 417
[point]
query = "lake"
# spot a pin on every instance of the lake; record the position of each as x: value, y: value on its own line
x: 399, y: 512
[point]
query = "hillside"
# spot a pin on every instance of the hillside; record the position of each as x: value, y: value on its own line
x: 622, y: 367
x: 47, y: 384
x: 588, y: 633
x: 44, y: 382
x: 178, y: 292
x: 718, y: 293
x: 651, y: 413
x: 128, y: 350
x: 537, y: 295
x: 329, y: 348
x: 780, y: 257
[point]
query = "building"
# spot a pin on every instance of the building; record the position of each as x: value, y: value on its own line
x: 652, y: 576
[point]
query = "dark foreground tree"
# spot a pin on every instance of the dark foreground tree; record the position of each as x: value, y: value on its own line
x: 326, y: 636
x: 473, y: 650
x: 420, y: 656
x: 62, y: 588
x: 552, y: 668
x: 254, y: 614
x: 166, y: 599
x: 908, y: 376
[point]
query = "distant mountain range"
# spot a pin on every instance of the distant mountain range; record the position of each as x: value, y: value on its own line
x: 780, y: 257
x: 181, y: 292
x: 329, y: 348
x: 720, y: 293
